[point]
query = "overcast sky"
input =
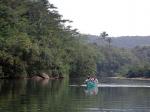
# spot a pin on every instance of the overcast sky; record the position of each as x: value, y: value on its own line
x: 116, y: 17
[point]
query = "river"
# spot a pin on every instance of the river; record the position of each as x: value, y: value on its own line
x: 112, y: 95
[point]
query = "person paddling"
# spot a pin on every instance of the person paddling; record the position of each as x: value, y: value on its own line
x: 88, y: 79
x: 94, y: 79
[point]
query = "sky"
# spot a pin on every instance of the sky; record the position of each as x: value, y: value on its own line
x: 116, y: 17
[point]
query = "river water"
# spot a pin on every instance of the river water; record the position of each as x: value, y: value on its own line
x: 112, y: 95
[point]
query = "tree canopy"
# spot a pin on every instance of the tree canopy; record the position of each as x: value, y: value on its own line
x: 34, y: 39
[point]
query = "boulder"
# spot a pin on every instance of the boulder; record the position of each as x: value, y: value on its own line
x: 37, y: 78
x: 44, y: 76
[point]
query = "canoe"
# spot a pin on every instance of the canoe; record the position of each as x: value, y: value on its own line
x: 91, y: 84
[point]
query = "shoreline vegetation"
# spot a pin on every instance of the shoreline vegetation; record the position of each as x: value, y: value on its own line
x: 38, y: 77
x: 137, y: 78
x: 34, y: 40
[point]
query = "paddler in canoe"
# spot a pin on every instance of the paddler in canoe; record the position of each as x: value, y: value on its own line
x: 91, y: 82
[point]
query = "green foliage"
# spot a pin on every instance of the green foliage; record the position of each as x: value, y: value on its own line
x: 34, y: 39
x: 138, y: 72
x: 113, y: 60
x: 141, y: 69
x: 84, y: 62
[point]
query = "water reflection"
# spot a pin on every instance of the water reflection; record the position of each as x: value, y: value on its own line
x: 31, y: 95
x: 91, y: 91
x: 58, y: 96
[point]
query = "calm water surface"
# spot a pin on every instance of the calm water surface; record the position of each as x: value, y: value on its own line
x: 72, y: 96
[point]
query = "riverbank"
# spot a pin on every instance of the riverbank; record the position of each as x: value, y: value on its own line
x: 35, y: 77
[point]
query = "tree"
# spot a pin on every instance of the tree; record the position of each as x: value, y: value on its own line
x: 105, y: 37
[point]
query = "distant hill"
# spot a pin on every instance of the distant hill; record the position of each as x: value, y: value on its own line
x: 123, y: 41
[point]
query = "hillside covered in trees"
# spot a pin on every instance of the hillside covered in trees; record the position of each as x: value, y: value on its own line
x: 122, y: 41
x: 34, y: 39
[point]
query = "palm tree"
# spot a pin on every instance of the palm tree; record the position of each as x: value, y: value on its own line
x: 103, y: 35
